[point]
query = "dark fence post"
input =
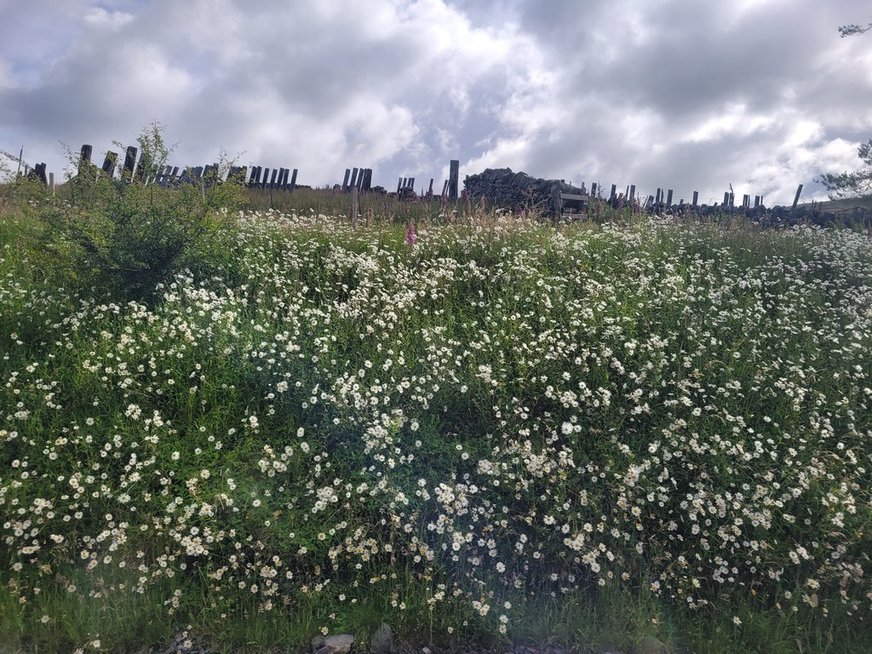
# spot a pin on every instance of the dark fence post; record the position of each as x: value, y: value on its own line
x: 795, y: 199
x: 695, y: 197
x: 294, y: 179
x: 669, y: 198
x: 614, y: 193
x: 453, y: 178
x: 39, y: 170
x: 632, y: 192
x: 109, y: 163
x: 353, y: 182
x: 354, y: 200
x: 129, y: 164
x: 84, y: 159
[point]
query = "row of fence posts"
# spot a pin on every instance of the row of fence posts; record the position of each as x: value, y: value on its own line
x: 665, y: 197
x: 359, y: 180
x: 356, y: 180
x: 166, y: 175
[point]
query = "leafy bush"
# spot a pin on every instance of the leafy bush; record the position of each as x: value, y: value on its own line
x: 128, y: 237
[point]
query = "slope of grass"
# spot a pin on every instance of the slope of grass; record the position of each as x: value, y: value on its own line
x: 585, y: 435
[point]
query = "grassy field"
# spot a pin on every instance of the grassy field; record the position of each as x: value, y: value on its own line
x: 487, y: 432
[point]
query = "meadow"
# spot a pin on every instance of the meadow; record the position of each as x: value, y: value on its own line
x: 480, y: 430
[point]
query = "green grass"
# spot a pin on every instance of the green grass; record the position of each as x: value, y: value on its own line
x: 589, y: 435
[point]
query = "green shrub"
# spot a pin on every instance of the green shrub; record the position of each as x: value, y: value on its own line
x: 126, y: 238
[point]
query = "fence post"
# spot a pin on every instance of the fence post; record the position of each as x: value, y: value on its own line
x: 354, y: 200
x: 795, y: 199
x: 669, y: 198
x: 84, y: 159
x: 453, y: 175
x: 695, y: 197
x: 556, y: 202
x: 109, y: 163
x: 632, y: 193
x: 129, y: 164
x: 614, y: 193
x: 294, y: 179
x: 51, y: 183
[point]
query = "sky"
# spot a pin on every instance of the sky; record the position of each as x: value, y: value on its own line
x: 682, y: 94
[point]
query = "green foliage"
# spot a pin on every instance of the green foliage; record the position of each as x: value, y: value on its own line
x: 129, y: 237
x: 847, y: 184
x: 851, y: 30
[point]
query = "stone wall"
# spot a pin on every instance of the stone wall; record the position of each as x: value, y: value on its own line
x: 503, y: 188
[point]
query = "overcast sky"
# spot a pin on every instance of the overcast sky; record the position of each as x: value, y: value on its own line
x: 685, y: 94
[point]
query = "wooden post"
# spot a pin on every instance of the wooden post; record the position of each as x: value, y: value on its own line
x: 795, y: 199
x: 726, y: 198
x: 430, y: 190
x: 399, y: 184
x: 659, y: 195
x: 39, y: 170
x: 445, y: 188
x: 353, y: 181
x: 746, y: 201
x: 272, y: 181
x: 129, y: 164
x: 367, y: 180
x: 360, y: 175
x: 756, y: 201
x: 354, y: 193
x: 695, y: 197
x: 669, y: 198
x: 345, y: 179
x: 143, y: 163
x: 109, y: 163
x: 556, y: 202
x: 412, y: 183
x: 453, y: 178
x: 593, y: 188
x: 294, y: 179
x: 732, y: 200
x: 265, y: 179
x: 614, y: 192
x: 85, y: 159
x: 632, y: 193
x: 51, y: 183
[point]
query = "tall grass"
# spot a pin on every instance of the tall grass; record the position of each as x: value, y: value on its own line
x: 591, y: 435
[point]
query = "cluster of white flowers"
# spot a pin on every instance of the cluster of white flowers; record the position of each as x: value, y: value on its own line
x: 601, y: 406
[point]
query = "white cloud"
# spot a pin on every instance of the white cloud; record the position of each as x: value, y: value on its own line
x: 101, y: 18
x: 758, y: 93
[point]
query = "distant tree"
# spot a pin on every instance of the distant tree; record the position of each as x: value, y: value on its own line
x: 851, y: 30
x: 844, y: 185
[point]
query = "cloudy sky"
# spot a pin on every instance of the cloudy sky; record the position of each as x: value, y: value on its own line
x: 685, y: 94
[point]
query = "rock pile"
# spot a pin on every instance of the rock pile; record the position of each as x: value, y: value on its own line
x: 503, y: 188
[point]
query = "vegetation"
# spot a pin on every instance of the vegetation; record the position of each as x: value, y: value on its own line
x: 851, y: 184
x: 485, y: 430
